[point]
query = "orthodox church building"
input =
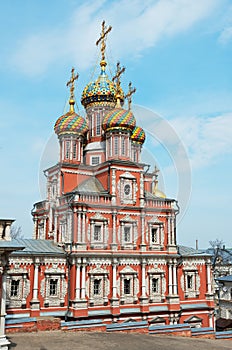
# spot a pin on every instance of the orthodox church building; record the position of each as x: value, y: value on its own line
x: 104, y: 243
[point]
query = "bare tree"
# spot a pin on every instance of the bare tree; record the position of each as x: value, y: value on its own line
x: 16, y: 232
x: 217, y: 243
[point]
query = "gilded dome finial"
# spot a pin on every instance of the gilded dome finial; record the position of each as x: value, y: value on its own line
x: 72, y: 87
x: 102, y: 40
x: 131, y: 91
x: 116, y: 78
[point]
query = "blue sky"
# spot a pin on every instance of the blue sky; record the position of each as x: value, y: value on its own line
x: 178, y: 55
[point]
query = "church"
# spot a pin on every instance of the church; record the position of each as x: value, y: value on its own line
x: 104, y: 242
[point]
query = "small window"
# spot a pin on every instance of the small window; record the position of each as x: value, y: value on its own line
x: 96, y: 287
x: 123, y: 146
x: 231, y: 293
x: 53, y: 287
x: 154, y: 285
x: 74, y: 150
x: 97, y: 233
x: 189, y: 281
x: 98, y: 128
x: 14, y: 290
x: 135, y: 155
x: 127, y: 287
x: 67, y: 149
x: 154, y: 235
x: 116, y: 145
x: 127, y: 234
x: 95, y: 160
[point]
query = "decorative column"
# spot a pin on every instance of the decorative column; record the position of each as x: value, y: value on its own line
x: 174, y: 277
x: 143, y: 244
x: 143, y: 297
x: 35, y: 304
x: 78, y: 274
x: 114, y: 238
x: 113, y: 184
x: 55, y: 227
x: 134, y: 284
x: 170, y: 278
x: 209, y: 285
x: 79, y: 226
x: 83, y: 279
x: 35, y: 228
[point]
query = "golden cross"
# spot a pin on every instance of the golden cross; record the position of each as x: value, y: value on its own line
x: 131, y: 91
x: 102, y: 39
x: 118, y: 74
x: 71, y: 82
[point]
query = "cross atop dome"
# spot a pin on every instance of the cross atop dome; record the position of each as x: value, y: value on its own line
x: 72, y: 87
x: 131, y: 91
x: 116, y: 78
x: 102, y: 40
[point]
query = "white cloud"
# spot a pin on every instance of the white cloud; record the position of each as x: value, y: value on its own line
x: 137, y: 25
x: 206, y: 138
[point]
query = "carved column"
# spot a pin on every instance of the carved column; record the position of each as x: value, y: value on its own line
x: 83, y: 279
x: 170, y: 278
x: 35, y: 304
x: 209, y: 285
x: 143, y: 244
x: 143, y: 295
x: 174, y: 278
x: 114, y: 238
x: 77, y: 290
x: 113, y: 184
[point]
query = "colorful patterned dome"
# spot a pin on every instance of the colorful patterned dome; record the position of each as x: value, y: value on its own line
x: 138, y: 135
x: 101, y: 90
x: 119, y: 118
x: 71, y: 123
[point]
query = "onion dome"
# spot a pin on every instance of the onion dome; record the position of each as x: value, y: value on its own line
x: 101, y: 90
x: 138, y: 135
x: 71, y: 122
x: 120, y: 119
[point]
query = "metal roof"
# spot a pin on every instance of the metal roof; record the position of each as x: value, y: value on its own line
x: 225, y: 278
x: 92, y: 185
x: 183, y: 250
x: 37, y: 246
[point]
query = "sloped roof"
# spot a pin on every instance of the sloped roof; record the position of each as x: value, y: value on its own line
x: 183, y: 250
x: 225, y: 278
x: 91, y: 185
x: 37, y: 247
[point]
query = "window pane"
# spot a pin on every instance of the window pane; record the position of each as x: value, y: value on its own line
x: 74, y: 150
x: 154, y: 235
x: 154, y: 285
x: 127, y: 286
x: 98, y: 128
x: 53, y: 286
x: 116, y: 145
x: 97, y: 233
x: 95, y: 160
x: 127, y: 234
x: 14, y: 291
x: 96, y: 287
x: 67, y: 149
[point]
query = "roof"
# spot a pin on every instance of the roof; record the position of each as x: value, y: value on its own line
x: 91, y: 185
x: 225, y: 278
x: 37, y: 247
x: 11, y: 245
x: 188, y: 251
